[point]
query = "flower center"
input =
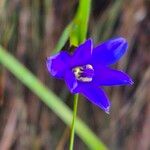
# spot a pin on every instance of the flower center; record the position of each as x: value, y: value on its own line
x: 84, y: 73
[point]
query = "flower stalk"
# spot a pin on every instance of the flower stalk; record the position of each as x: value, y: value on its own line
x: 76, y: 96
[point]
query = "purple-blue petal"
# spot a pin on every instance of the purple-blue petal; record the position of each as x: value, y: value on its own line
x: 82, y: 54
x: 105, y: 76
x: 95, y: 95
x: 57, y: 64
x: 70, y: 81
x: 109, y: 52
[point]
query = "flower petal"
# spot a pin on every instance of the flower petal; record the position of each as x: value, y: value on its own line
x: 95, y: 95
x: 109, y: 52
x: 105, y: 76
x: 70, y: 81
x: 57, y: 64
x: 82, y: 53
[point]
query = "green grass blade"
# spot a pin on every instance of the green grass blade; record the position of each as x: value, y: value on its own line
x: 80, y: 23
x: 83, y: 15
x: 50, y: 99
x: 77, y: 29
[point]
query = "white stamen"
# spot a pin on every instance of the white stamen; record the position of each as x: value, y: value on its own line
x: 78, y: 73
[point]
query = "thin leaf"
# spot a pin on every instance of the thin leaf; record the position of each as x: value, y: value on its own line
x: 80, y: 23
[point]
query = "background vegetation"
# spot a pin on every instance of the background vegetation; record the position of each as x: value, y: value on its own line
x: 30, y: 30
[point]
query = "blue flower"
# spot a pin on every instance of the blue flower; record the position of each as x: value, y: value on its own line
x: 88, y: 69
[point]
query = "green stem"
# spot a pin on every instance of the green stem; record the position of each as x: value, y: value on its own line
x: 73, y: 121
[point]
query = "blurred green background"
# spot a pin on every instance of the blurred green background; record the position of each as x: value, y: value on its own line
x: 30, y: 30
